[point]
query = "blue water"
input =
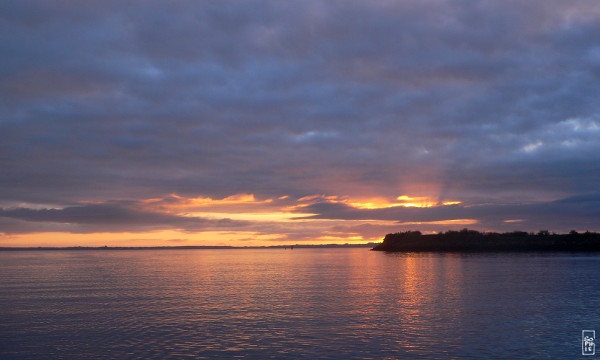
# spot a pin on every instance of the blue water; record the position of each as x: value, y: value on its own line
x: 305, y: 303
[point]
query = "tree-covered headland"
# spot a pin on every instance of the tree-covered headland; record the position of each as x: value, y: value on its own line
x: 474, y: 241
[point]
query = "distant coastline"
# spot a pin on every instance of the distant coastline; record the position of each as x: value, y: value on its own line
x: 474, y: 241
x: 295, y: 246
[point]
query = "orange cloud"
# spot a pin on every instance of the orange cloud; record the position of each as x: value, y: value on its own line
x: 443, y: 222
x: 243, y: 207
x: 378, y: 202
x: 196, y: 206
x: 247, y: 220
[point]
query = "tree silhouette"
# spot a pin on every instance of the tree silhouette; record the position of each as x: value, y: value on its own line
x: 467, y: 240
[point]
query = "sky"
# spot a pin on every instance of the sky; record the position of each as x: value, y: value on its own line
x: 155, y: 123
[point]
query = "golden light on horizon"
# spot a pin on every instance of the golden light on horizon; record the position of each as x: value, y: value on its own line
x: 376, y: 203
x: 443, y: 222
x: 235, y: 199
x: 249, y: 216
x: 169, y: 238
x: 372, y: 203
x: 403, y: 200
x: 240, y: 220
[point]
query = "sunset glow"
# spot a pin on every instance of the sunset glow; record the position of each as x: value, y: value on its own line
x: 236, y: 125
x: 242, y: 219
x: 314, y: 179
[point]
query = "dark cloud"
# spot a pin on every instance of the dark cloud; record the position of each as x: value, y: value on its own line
x: 110, y: 217
x: 485, y: 102
x: 580, y: 212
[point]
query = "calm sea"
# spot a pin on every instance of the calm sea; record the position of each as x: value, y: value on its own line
x: 301, y: 303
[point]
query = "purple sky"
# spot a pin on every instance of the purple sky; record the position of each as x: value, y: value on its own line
x: 116, y: 115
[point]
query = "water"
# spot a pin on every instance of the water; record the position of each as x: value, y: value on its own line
x: 305, y: 303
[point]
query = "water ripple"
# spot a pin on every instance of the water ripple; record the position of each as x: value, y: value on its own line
x: 309, y: 303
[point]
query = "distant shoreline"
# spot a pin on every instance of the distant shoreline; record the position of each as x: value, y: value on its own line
x: 474, y: 241
x: 208, y: 247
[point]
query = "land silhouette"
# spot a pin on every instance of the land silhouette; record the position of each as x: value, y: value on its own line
x: 474, y: 241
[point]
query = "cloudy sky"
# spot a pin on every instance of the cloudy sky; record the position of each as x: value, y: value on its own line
x: 258, y: 122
